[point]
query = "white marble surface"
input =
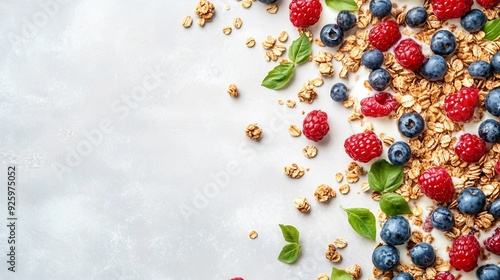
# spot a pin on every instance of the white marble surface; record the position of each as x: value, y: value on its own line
x: 132, y: 158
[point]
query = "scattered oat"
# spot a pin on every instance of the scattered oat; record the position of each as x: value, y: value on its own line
x: 290, y: 103
x: 318, y: 42
x: 268, y: 42
x: 301, y: 204
x: 227, y: 29
x: 232, y: 90
x: 253, y: 234
x: 294, y: 171
x: 323, y: 276
x: 272, y: 8
x: 253, y: 132
x: 317, y: 82
x: 354, y: 271
x: 187, y: 21
x: 227, y: 7
x: 205, y: 11
x: 332, y: 254
x: 365, y: 187
x: 250, y: 42
x: 294, y: 130
x: 339, y: 177
x: 307, y: 93
x: 246, y: 3
x: 344, y: 189
x: 340, y: 243
x: 280, y: 102
x: 201, y: 22
x: 283, y: 37
x: 323, y: 193
x: 237, y: 22
x: 309, y: 151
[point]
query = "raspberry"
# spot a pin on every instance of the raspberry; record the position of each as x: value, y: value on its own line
x: 436, y: 183
x: 409, y: 54
x: 363, y: 147
x: 379, y: 105
x: 444, y: 276
x: 315, y: 125
x: 446, y: 9
x: 460, y: 106
x: 492, y: 243
x: 384, y: 35
x: 464, y: 253
x: 497, y: 167
x: 304, y: 13
x: 488, y: 4
x: 470, y: 148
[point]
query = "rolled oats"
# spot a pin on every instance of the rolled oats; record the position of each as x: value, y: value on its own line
x: 339, y: 177
x: 246, y: 4
x: 294, y: 130
x: 232, y: 90
x: 332, y: 254
x: 187, y: 21
x: 237, y: 22
x: 250, y: 42
x: 269, y: 42
x: 205, y: 11
x: 344, y: 189
x: 301, y: 204
x: 309, y: 151
x: 253, y: 234
x: 294, y: 171
x: 283, y: 37
x: 272, y: 8
x: 323, y: 276
x: 307, y: 93
x: 227, y: 29
x: 323, y: 193
x: 253, y: 132
x: 354, y: 271
x: 290, y: 103
x: 340, y: 243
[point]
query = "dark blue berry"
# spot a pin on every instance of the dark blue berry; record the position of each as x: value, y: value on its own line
x: 495, y: 62
x: 411, y: 124
x: 488, y: 272
x: 442, y: 218
x: 492, y: 102
x: 331, y: 35
x: 423, y: 255
x: 380, y: 8
x: 346, y: 20
x: 403, y: 276
x: 396, y: 230
x: 416, y: 17
x: 480, y: 70
x: 434, y: 68
x: 489, y: 131
x: 267, y: 1
x: 443, y: 42
x: 338, y: 92
x: 385, y: 257
x: 372, y: 59
x: 399, y: 153
x: 473, y: 20
x: 471, y: 200
x: 379, y: 79
x: 494, y: 208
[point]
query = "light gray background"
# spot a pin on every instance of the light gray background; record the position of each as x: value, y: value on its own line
x: 132, y: 159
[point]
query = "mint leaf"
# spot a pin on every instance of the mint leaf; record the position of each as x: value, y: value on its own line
x: 362, y: 221
x: 289, y: 253
x: 279, y: 76
x: 300, y: 50
x: 340, y: 5
x: 290, y: 233
x: 492, y: 29
x: 394, y: 204
x: 338, y: 274
x: 385, y: 177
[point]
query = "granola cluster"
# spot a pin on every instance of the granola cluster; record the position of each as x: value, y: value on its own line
x: 205, y: 10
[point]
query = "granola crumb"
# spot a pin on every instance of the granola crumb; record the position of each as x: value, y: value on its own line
x: 294, y: 130
x: 332, y: 254
x: 253, y: 132
x: 309, y: 151
x: 324, y: 193
x: 232, y: 90
x: 205, y: 11
x: 281, y: 102
x: 187, y: 21
x: 307, y: 93
x: 294, y: 171
x: 340, y: 243
x: 250, y: 42
x: 253, y: 234
x: 354, y: 271
x: 290, y: 103
x: 301, y: 204
x: 344, y: 189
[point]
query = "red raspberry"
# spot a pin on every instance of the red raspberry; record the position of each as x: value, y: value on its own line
x: 464, y: 253
x: 488, y: 4
x: 381, y: 104
x: 363, y: 147
x: 304, y: 13
x: 460, y: 106
x: 444, y: 276
x: 446, y: 9
x: 436, y: 183
x: 470, y: 147
x: 384, y: 35
x: 315, y: 125
x: 492, y: 243
x: 409, y: 54
x: 497, y: 167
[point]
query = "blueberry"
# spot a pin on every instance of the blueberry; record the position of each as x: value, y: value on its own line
x: 471, y: 200
x: 346, y: 20
x: 480, y: 69
x: 385, y: 257
x: 379, y: 79
x: 338, y: 92
x: 443, y: 42
x: 473, y: 20
x: 380, y: 8
x: 372, y: 59
x: 442, y: 218
x: 267, y: 1
x: 488, y: 272
x: 489, y: 131
x: 399, y: 153
x: 331, y: 35
x: 416, y: 17
x: 396, y: 230
x: 492, y: 102
x: 434, y: 68
x: 494, y: 208
x: 495, y: 62
x: 411, y: 124
x: 403, y: 276
x: 423, y: 255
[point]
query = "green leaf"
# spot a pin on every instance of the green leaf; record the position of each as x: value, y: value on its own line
x: 289, y: 253
x: 385, y: 177
x: 341, y: 5
x: 279, y: 76
x: 362, y: 221
x: 338, y: 274
x: 290, y: 233
x: 394, y: 204
x: 300, y: 50
x: 492, y: 29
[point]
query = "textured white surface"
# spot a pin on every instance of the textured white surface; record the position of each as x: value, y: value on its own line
x: 132, y: 158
